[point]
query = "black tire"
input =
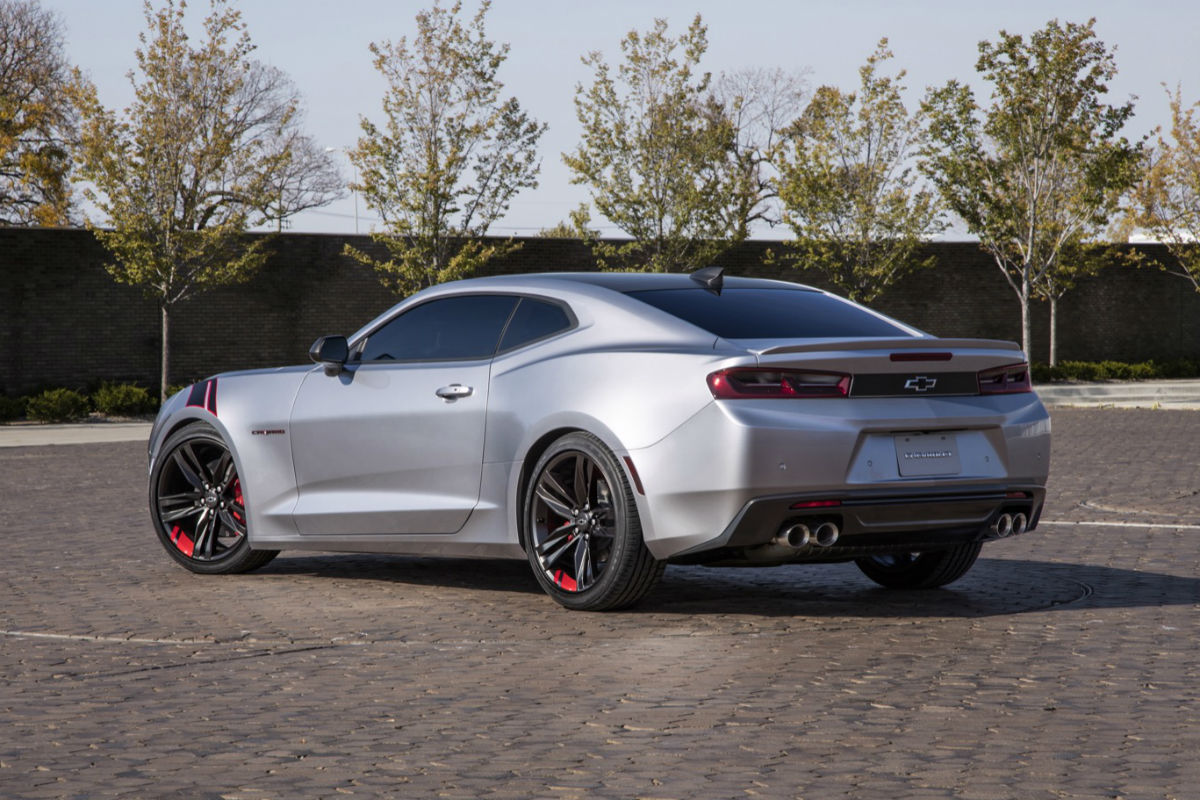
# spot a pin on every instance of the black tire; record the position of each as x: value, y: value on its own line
x: 920, y: 570
x: 197, y: 505
x: 584, y: 539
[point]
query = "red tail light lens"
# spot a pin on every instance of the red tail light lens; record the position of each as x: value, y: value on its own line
x: 816, y: 504
x: 1010, y: 379
x: 746, y: 382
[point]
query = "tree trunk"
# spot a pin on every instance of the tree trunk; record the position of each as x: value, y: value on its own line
x: 1053, y: 330
x: 166, y: 354
x: 1025, y: 326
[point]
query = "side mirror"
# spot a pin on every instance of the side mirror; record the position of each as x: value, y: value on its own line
x: 332, y: 351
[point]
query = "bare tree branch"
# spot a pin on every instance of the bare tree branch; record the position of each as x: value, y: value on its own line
x: 37, y: 118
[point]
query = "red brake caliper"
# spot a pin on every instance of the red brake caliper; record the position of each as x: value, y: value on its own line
x: 181, y: 540
x: 237, y: 497
x: 565, y: 581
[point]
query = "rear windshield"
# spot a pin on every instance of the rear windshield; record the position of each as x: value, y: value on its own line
x: 769, y: 313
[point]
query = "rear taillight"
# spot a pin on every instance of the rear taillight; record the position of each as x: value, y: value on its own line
x: 745, y: 382
x: 1010, y: 379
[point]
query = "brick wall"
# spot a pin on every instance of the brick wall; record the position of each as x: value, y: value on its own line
x: 65, y: 322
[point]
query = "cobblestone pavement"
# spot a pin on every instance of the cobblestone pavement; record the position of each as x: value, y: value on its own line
x: 1063, y: 666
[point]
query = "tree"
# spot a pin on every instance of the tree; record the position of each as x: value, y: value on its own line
x: 1167, y: 200
x: 759, y: 104
x: 560, y: 230
x: 205, y: 151
x: 305, y: 177
x: 1079, y: 258
x: 654, y: 153
x: 37, y: 119
x: 847, y: 185
x: 1046, y: 166
x: 450, y: 156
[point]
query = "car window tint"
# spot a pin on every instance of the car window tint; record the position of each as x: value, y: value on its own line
x: 532, y: 320
x: 453, y: 327
x: 769, y: 313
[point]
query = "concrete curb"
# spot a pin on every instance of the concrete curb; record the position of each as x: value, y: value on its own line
x: 33, y: 435
x: 1173, y: 394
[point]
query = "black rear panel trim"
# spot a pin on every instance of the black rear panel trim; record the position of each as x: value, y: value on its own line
x: 915, y: 384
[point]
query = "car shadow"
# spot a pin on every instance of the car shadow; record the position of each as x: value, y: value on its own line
x: 501, y: 575
x: 993, y: 587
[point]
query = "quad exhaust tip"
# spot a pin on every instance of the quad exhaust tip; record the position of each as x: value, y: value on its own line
x: 1010, y: 524
x: 799, y: 535
x: 827, y: 533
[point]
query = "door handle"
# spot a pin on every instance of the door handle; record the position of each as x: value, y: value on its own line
x: 454, y: 391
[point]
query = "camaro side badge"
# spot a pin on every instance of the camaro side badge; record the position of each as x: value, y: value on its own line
x: 920, y: 383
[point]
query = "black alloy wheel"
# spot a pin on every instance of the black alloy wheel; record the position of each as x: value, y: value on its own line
x: 584, y: 538
x: 198, y: 506
x: 920, y: 570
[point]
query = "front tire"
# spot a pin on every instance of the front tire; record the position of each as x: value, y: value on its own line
x: 197, y: 504
x: 920, y: 570
x: 583, y: 534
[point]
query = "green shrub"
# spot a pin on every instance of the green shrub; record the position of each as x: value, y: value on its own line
x: 1142, y: 372
x: 1080, y: 371
x: 57, y: 405
x: 1181, y: 368
x: 11, y: 407
x: 123, y: 400
x: 1114, y: 370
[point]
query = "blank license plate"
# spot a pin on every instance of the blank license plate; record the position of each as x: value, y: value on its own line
x: 927, y: 454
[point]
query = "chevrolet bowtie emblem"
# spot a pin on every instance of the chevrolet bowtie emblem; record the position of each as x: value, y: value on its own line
x: 920, y: 383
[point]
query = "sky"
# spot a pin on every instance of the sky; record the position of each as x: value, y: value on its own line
x: 323, y: 45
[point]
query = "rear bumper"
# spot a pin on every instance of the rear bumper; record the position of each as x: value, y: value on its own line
x: 736, y: 467
x: 872, y: 522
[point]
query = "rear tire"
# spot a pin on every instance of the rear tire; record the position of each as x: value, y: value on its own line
x: 920, y: 570
x: 583, y: 536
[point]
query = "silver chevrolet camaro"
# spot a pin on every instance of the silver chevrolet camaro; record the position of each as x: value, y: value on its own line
x: 602, y: 425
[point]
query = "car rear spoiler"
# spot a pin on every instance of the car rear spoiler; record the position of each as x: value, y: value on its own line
x: 932, y: 344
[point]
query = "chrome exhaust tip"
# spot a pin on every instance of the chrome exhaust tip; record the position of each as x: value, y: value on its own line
x: 1003, y: 525
x: 1019, y: 523
x: 797, y: 535
x: 827, y: 533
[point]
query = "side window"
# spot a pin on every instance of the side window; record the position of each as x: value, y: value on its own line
x: 532, y: 320
x: 467, y: 326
